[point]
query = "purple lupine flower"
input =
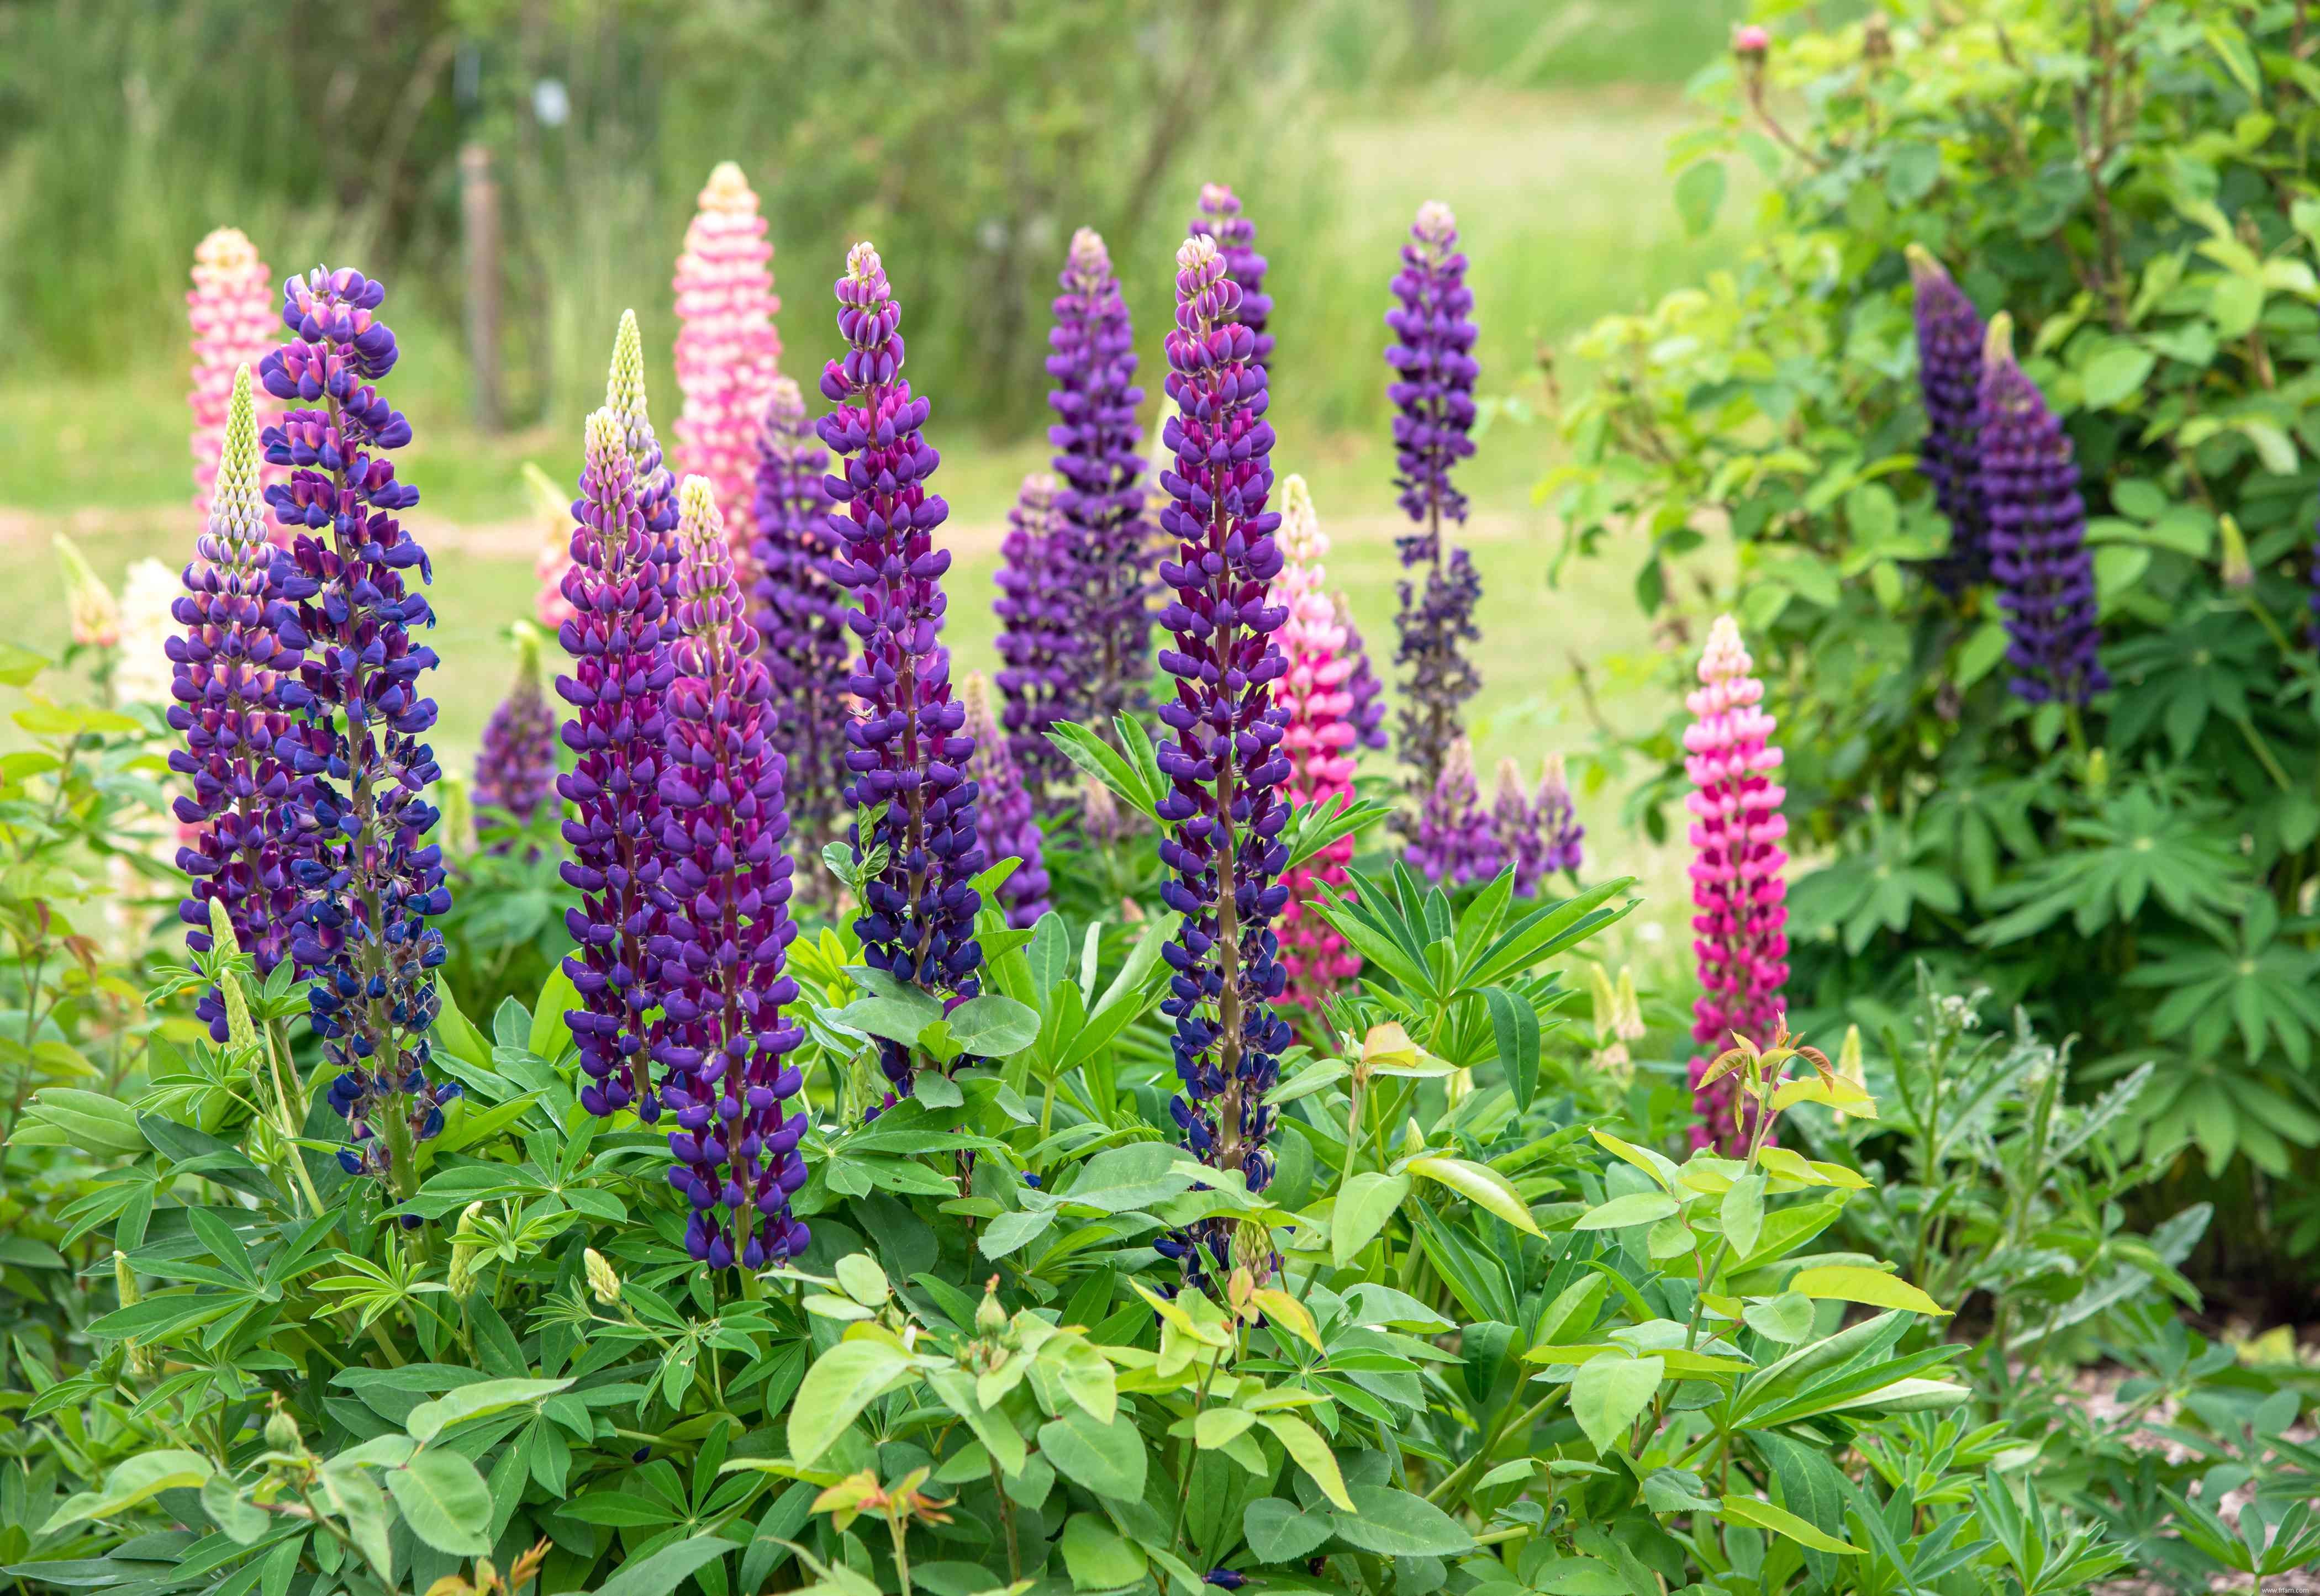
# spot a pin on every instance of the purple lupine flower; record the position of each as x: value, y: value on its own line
x: 906, y: 754
x: 1222, y: 218
x: 1558, y: 819
x: 800, y: 617
x: 515, y: 770
x: 2044, y: 572
x: 1225, y: 764
x: 1515, y: 826
x: 724, y: 889
x: 1100, y: 461
x: 1950, y: 336
x: 1456, y: 844
x: 239, y: 646
x: 355, y: 820
x: 1003, y: 820
x: 1040, y: 640
x: 1434, y: 627
x: 618, y: 638
x: 1367, y: 716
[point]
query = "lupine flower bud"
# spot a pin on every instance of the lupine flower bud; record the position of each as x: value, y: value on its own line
x: 356, y: 822
x: 908, y: 753
x: 89, y: 605
x: 2039, y: 556
x: 1225, y: 764
x: 2236, y: 570
x: 232, y: 308
x: 1043, y: 652
x: 465, y: 1244
x: 604, y: 1281
x: 1222, y: 218
x: 1003, y: 820
x: 1949, y: 337
x: 1750, y: 43
x: 1366, y: 714
x: 282, y: 1433
x: 515, y: 771
x: 142, y: 672
x: 1101, y: 822
x: 1739, y: 935
x: 727, y: 351
x: 1457, y: 846
x: 240, y: 1033
x: 553, y: 506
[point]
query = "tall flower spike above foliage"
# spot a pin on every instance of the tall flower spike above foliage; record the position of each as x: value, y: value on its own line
x: 1222, y: 218
x: 1005, y: 822
x: 907, y: 753
x: 1739, y: 935
x: 1367, y: 714
x: 1457, y: 846
x: 515, y: 770
x: 1101, y: 500
x: 1317, y: 738
x: 800, y: 617
x: 1515, y: 826
x: 2045, y: 574
x: 1949, y: 337
x: 721, y: 946
x: 231, y: 307
x: 1225, y: 765
x: 617, y: 638
x: 234, y: 664
x: 727, y: 351
x: 1041, y: 646
x: 356, y: 819
x: 1558, y: 819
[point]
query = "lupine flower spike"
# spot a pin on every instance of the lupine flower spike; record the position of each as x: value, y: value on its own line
x: 234, y: 664
x: 1950, y: 336
x: 231, y: 307
x: 355, y: 828
x: 1222, y: 219
x: 1367, y: 714
x: 553, y: 506
x: 1456, y: 845
x: 1005, y: 822
x: 724, y: 889
x: 1558, y: 819
x: 1740, y: 931
x: 1515, y: 827
x: 1225, y: 764
x: 727, y: 351
x: 515, y: 771
x: 2045, y: 574
x: 1318, y: 739
x: 799, y: 616
x: 142, y: 674
x: 908, y: 753
x: 1041, y: 646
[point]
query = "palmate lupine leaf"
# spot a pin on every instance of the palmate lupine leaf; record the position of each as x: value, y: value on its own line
x: 2258, y: 985
x: 2139, y: 848
x: 1878, y: 889
x: 2176, y: 679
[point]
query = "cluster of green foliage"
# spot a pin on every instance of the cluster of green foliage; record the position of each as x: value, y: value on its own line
x: 2129, y: 179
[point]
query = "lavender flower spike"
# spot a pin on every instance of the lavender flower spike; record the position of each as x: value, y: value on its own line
x: 1434, y: 376
x: 724, y: 892
x: 356, y: 819
x: 1222, y: 218
x: 515, y: 770
x: 1368, y: 712
x: 907, y: 753
x: 1225, y: 764
x: 1456, y: 844
x: 1558, y: 819
x: 1949, y: 337
x: 1040, y: 641
x: 1002, y: 808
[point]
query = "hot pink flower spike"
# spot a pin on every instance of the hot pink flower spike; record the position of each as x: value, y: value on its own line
x: 1740, y: 935
x: 727, y: 353
x: 1320, y: 742
x: 235, y: 316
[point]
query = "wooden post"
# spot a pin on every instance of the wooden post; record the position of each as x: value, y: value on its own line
x: 479, y: 218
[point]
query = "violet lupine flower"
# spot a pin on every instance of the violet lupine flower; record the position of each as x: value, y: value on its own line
x: 1434, y: 629
x: 355, y: 822
x: 1317, y: 737
x: 1003, y: 822
x: 907, y: 756
x: 2045, y: 574
x: 727, y: 351
x: 1740, y: 932
x: 1950, y: 336
x: 232, y: 308
x: 721, y: 948
x: 1040, y: 639
x: 234, y: 667
x: 1101, y: 500
x: 1558, y: 819
x: 618, y: 638
x: 1515, y: 826
x: 1225, y: 765
x: 1367, y: 713
x: 800, y: 617
x: 1456, y: 844
x: 515, y: 770
x: 1222, y: 218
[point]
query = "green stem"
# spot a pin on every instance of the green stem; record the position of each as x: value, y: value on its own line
x: 1455, y: 1480
x: 1186, y: 1457
x: 902, y: 1534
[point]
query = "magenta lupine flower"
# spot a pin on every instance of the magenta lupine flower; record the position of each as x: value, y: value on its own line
x: 727, y: 351
x: 231, y: 307
x: 2045, y: 574
x: 1319, y: 740
x: 515, y: 769
x: 1740, y: 932
x: 1456, y: 844
x: 355, y: 822
x: 800, y: 617
x: 907, y: 753
x: 239, y: 646
x: 1367, y: 714
x: 1225, y: 764
x: 1003, y: 821
x: 1222, y: 218
x: 1100, y: 502
x: 1950, y: 336
x: 618, y: 638
x: 1041, y: 642
x: 721, y: 948
x: 1558, y: 819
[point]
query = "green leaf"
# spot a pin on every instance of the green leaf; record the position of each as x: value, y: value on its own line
x: 1009, y: 1231
x: 550, y: 1033
x: 1310, y: 1453
x: 1109, y: 1459
x: 894, y: 1020
x: 1699, y: 195
x: 1849, y: 1282
x: 1120, y: 1179
x: 1515, y: 1025
x: 1787, y: 1319
x: 667, y: 1569
x: 1097, y: 1558
x: 1743, y: 1213
x: 1636, y: 1208
x: 1364, y: 1203
x: 1482, y: 1186
x: 1279, y: 1531
x: 993, y: 1027
x: 836, y: 1389
x: 1609, y: 1392
x: 2116, y: 373
x: 430, y: 1418
x: 139, y: 1480
x: 445, y: 1502
x: 1763, y: 1515
x: 1396, y: 1524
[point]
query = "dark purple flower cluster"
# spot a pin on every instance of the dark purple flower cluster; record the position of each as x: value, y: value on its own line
x: 355, y: 820
x: 1457, y: 844
x: 1005, y: 822
x: 1367, y: 714
x: 799, y: 616
x: 908, y: 756
x: 1950, y: 336
x: 1539, y: 836
x: 1435, y: 624
x: 1221, y: 218
x: 515, y: 769
x: 1433, y: 390
x: 1224, y: 811
x: 1042, y: 643
x: 2045, y: 574
x: 229, y: 665
x: 1101, y: 500
x: 720, y: 951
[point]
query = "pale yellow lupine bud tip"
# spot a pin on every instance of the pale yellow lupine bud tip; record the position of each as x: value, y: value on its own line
x: 601, y: 1279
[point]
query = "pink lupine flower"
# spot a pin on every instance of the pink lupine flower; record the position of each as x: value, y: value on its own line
x: 727, y: 352
x: 232, y: 307
x: 551, y: 506
x: 1736, y: 881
